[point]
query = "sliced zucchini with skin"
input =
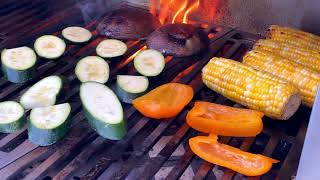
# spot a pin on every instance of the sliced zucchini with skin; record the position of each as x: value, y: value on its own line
x: 111, y: 48
x: 129, y: 87
x: 76, y: 34
x: 43, y: 93
x: 49, y: 124
x: 49, y: 46
x: 149, y: 62
x: 18, y: 64
x: 12, y: 117
x: 103, y: 110
x: 92, y: 68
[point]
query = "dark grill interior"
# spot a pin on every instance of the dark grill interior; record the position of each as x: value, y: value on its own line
x: 151, y: 148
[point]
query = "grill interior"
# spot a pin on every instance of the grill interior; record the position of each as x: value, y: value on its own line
x: 152, y: 148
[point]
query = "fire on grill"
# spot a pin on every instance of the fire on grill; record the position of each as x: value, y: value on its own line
x: 165, y: 98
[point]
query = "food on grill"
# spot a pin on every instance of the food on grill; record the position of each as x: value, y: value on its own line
x: 103, y: 110
x: 178, y: 40
x: 49, y: 124
x: 18, y: 64
x: 76, y: 34
x: 92, y: 68
x: 165, y: 101
x: 304, y: 78
x: 294, y: 37
x: 149, y: 62
x: 249, y: 164
x: 129, y: 87
x: 224, y: 120
x: 12, y: 117
x: 255, y: 89
x: 127, y: 23
x: 306, y: 57
x: 49, y: 46
x: 43, y: 93
x: 111, y: 48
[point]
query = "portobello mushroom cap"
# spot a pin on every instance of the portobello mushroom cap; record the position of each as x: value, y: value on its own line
x: 178, y: 40
x: 127, y: 23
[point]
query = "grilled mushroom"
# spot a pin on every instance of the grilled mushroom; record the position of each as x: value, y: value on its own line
x: 127, y: 23
x: 178, y: 40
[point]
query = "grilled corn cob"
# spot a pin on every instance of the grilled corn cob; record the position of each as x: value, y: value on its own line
x: 255, y: 89
x: 308, y: 58
x: 294, y: 36
x: 305, y: 79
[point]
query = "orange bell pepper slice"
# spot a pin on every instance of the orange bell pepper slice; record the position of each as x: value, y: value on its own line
x: 209, y: 149
x: 165, y: 101
x: 224, y: 120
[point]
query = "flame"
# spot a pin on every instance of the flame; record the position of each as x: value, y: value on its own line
x: 181, y: 9
x: 164, y: 4
x: 193, y: 7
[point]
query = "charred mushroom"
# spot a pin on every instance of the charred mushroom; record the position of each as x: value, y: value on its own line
x: 178, y: 40
x: 127, y: 23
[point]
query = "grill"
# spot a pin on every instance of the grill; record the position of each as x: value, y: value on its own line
x: 151, y: 149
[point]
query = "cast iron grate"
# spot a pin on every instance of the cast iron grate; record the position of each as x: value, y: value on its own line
x: 151, y: 149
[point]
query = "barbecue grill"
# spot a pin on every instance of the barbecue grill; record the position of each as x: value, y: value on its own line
x: 151, y: 149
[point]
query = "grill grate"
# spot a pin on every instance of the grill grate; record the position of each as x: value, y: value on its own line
x: 151, y: 148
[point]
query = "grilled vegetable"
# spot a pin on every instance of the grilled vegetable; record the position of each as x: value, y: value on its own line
x: 49, y: 46
x: 209, y: 149
x: 129, y: 88
x: 165, y: 101
x: 18, y: 64
x: 43, y: 93
x: 149, y: 62
x: 223, y: 120
x: 308, y: 58
x: 103, y: 110
x: 294, y: 37
x: 49, y: 124
x: 304, y: 78
x: 12, y: 117
x: 76, y: 34
x: 257, y: 90
x: 111, y: 48
x: 92, y: 68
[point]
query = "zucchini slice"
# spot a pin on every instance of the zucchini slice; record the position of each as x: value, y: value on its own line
x: 92, y: 68
x: 111, y: 48
x: 130, y: 87
x: 76, y: 34
x: 49, y: 124
x: 12, y: 117
x: 103, y: 110
x: 149, y: 62
x: 49, y: 46
x: 43, y: 93
x: 18, y: 64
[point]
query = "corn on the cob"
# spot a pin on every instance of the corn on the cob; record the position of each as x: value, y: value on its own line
x: 304, y: 78
x: 308, y: 58
x: 294, y: 36
x: 255, y: 89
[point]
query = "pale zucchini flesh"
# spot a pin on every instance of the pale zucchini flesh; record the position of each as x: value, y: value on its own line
x: 149, y: 62
x: 12, y: 117
x: 43, y: 93
x: 111, y: 48
x: 49, y: 46
x: 76, y: 34
x: 92, y: 68
x: 103, y: 110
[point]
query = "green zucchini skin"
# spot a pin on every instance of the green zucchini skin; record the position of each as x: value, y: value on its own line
x: 124, y: 96
x: 109, y: 131
x: 13, y: 126
x: 46, y: 137
x: 17, y: 76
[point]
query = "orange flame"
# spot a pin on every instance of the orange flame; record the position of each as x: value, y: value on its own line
x: 181, y: 8
x: 193, y: 7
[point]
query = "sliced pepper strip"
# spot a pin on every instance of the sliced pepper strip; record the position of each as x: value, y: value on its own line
x: 224, y: 120
x: 165, y: 101
x: 209, y: 149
